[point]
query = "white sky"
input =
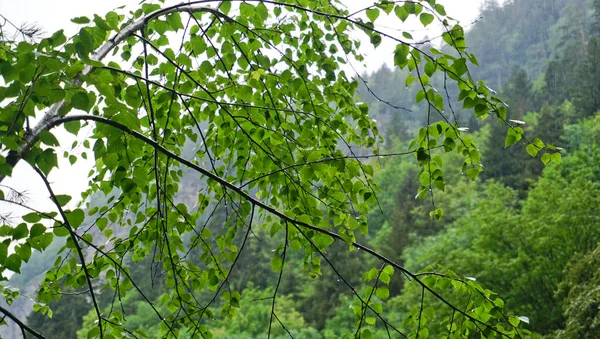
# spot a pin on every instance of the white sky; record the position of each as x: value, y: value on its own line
x: 53, y: 15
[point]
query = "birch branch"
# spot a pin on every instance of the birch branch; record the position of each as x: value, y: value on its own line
x: 56, y: 111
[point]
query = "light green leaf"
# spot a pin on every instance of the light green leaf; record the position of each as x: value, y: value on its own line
x: 76, y: 217
x: 276, y: 263
x: 426, y: 19
x: 372, y: 14
x: 532, y: 150
x: 73, y: 127
x: 32, y: 217
x: 546, y: 157
x: 382, y: 293
x: 62, y: 199
x: 430, y: 68
x: 81, y: 20
x: 401, y: 13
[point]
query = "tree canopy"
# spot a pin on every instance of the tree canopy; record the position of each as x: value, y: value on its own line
x: 255, y: 101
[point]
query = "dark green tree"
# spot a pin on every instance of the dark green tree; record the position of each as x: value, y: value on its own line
x: 67, y: 317
x: 582, y: 297
x: 508, y: 164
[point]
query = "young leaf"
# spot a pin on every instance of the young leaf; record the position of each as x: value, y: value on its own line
x: 426, y: 19
x: 372, y: 14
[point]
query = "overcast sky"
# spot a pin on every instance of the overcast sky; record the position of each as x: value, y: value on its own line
x: 56, y: 14
x: 53, y: 15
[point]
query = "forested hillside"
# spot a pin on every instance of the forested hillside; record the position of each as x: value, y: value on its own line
x: 526, y: 231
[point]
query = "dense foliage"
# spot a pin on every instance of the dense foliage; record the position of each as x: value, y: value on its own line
x: 235, y: 165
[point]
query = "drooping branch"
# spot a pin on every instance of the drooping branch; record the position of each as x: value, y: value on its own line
x: 256, y: 202
x: 125, y: 272
x: 78, y: 248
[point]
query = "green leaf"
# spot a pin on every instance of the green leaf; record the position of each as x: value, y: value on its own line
x: 174, y: 20
x: 426, y: 19
x: 366, y: 334
x: 389, y: 270
x: 80, y: 100
x: 514, y: 321
x: 45, y: 240
x: 539, y: 143
x: 409, y: 79
x: 440, y: 9
x: 62, y: 199
x: 13, y: 263
x: 23, y: 251
x: 460, y: 66
x: 473, y: 173
x: 532, y: 150
x: 20, y: 232
x: 86, y: 40
x: 499, y: 302
x: 449, y: 144
x: 225, y: 6
x: 127, y: 185
x: 94, y: 333
x: 32, y: 217
x: 277, y: 263
x: 37, y: 230
x: 368, y: 169
x: 372, y: 14
x: 376, y: 39
x: 401, y: 13
x: 510, y: 139
x: 323, y: 241
x: 76, y: 217
x: 81, y: 20
x: 401, y: 54
x: 60, y: 231
x: 73, y: 127
x: 385, y: 278
x: 430, y: 68
x: 438, y: 213
x: 48, y: 138
x: 382, y: 293
x: 235, y: 302
x: 9, y: 143
x: 420, y: 96
x: 3, y: 252
x: 370, y: 275
x: 101, y: 23
x: 546, y: 157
